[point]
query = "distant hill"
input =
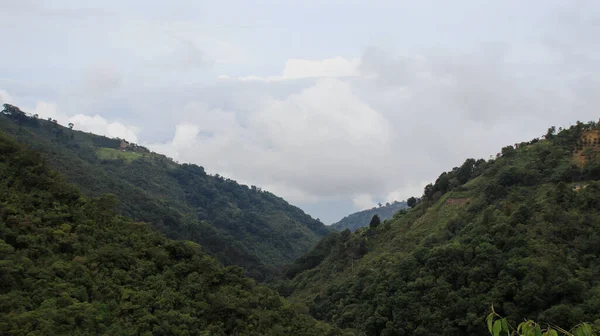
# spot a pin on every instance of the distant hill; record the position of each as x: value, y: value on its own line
x: 238, y: 224
x: 362, y: 218
x: 521, y: 232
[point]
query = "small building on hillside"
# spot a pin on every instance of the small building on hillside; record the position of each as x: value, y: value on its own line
x: 124, y: 144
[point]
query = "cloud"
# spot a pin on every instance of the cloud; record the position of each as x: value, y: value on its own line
x: 322, y: 132
x: 94, y: 124
x: 98, y: 125
x: 380, y: 134
x: 430, y: 92
x: 102, y: 77
x: 330, y: 67
x: 5, y: 98
x: 303, y: 68
x: 363, y: 201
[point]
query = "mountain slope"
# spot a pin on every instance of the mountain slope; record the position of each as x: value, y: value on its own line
x: 362, y: 218
x: 516, y: 232
x: 70, y: 265
x: 237, y: 224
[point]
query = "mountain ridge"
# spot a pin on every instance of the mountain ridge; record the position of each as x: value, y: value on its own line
x: 72, y: 265
x: 240, y: 225
x: 362, y: 218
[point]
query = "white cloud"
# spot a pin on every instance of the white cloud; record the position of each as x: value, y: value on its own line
x: 363, y: 201
x: 102, y: 77
x: 321, y: 133
x: 5, y: 98
x: 99, y: 125
x: 330, y: 67
x: 433, y: 93
x: 407, y: 191
x: 94, y: 124
x: 335, y: 67
x: 380, y: 134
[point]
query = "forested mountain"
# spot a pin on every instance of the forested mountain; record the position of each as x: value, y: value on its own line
x: 70, y: 265
x: 239, y: 225
x: 521, y: 231
x: 362, y: 218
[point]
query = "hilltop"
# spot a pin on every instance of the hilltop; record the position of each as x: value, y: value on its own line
x: 238, y: 224
x: 362, y: 218
x: 521, y: 231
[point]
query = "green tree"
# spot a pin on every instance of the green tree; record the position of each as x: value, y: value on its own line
x: 375, y: 221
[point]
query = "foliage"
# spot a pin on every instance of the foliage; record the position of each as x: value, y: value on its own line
x: 114, y: 154
x: 362, y: 218
x: 521, y: 237
x: 344, y: 246
x: 72, y: 265
x: 497, y: 325
x: 375, y: 221
x: 237, y: 224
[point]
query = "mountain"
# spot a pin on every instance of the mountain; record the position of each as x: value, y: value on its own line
x: 237, y: 224
x: 70, y: 265
x: 521, y: 232
x: 362, y: 218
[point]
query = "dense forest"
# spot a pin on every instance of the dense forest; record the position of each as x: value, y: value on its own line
x: 521, y: 232
x: 363, y: 218
x: 239, y: 225
x: 71, y: 265
x: 83, y: 249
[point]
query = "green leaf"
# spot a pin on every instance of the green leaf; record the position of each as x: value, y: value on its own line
x: 583, y: 329
x: 587, y: 329
x: 552, y: 332
x: 505, y: 326
x: 490, y: 320
x: 497, y: 328
x: 521, y: 326
x: 538, y: 330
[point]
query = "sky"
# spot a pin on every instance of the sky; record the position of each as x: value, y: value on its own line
x: 333, y: 105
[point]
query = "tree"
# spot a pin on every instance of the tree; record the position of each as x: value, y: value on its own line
x: 380, y: 205
x: 551, y: 132
x: 387, y: 204
x: 12, y: 110
x: 375, y: 221
x: 71, y: 125
x: 411, y: 202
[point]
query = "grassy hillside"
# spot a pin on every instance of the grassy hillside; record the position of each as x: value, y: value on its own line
x: 362, y: 218
x: 239, y: 225
x: 70, y: 265
x: 521, y: 232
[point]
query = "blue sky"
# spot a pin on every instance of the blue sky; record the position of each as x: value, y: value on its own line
x: 334, y: 105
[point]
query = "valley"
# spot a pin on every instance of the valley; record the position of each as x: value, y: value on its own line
x: 84, y: 219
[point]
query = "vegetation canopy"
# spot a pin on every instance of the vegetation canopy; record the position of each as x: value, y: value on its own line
x: 521, y: 231
x: 70, y: 265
